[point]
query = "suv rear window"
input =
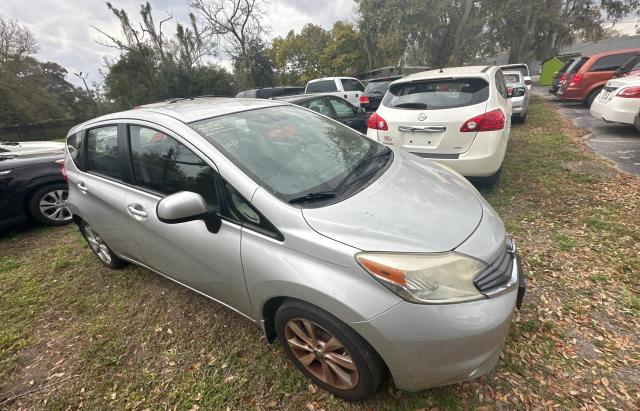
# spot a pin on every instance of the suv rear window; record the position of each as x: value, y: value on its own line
x: 377, y: 87
x: 576, y: 65
x: 511, y: 78
x: 322, y: 86
x: 437, y: 94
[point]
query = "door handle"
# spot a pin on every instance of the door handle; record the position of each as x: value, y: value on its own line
x: 136, y: 210
x: 423, y: 129
x: 82, y: 187
x: 345, y: 96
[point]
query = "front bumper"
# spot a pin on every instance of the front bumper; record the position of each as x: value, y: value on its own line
x: 427, y: 346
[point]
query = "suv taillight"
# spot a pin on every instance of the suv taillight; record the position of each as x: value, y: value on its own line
x: 63, y: 170
x: 629, y: 92
x: 575, y: 80
x: 376, y: 122
x: 563, y: 77
x: 489, y: 121
x: 364, y: 99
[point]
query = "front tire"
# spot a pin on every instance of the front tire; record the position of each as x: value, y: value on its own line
x: 100, y: 248
x: 328, y: 352
x: 48, y: 205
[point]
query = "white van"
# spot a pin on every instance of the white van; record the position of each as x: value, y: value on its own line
x: 348, y: 88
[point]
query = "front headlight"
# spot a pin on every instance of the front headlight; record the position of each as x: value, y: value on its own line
x: 440, y: 278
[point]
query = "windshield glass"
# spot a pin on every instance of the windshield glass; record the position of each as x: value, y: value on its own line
x: 377, y: 87
x: 289, y: 151
x: 437, y: 94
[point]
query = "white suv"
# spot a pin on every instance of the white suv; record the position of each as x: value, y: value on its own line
x: 459, y: 116
x: 348, y: 88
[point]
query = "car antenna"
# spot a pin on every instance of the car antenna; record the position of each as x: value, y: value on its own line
x: 441, y: 70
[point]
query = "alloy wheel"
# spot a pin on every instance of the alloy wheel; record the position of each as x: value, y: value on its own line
x: 321, y: 353
x: 54, y: 205
x: 97, y: 245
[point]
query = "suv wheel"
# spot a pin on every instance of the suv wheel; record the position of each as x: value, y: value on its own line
x: 48, y: 205
x: 328, y: 352
x: 100, y: 248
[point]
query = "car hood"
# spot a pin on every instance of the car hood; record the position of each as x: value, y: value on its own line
x: 415, y: 206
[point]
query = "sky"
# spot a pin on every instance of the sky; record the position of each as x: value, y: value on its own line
x: 63, y: 29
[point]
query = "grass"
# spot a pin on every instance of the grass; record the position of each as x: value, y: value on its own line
x: 78, y: 334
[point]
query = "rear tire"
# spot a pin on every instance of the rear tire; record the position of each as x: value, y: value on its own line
x: 337, y: 359
x: 592, y: 96
x: 521, y: 118
x: 491, y: 181
x: 107, y: 257
x: 48, y: 205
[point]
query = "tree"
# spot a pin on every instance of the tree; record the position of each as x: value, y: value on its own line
x: 344, y: 54
x: 237, y: 25
x: 16, y: 41
x: 297, y: 57
x: 153, y: 65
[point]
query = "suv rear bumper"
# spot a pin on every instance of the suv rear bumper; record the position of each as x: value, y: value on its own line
x: 483, y: 158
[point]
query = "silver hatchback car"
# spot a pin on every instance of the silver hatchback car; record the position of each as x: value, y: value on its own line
x: 358, y: 258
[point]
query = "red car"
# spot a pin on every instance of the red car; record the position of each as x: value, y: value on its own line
x: 590, y: 74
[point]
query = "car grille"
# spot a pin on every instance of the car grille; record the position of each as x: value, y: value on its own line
x: 497, y: 274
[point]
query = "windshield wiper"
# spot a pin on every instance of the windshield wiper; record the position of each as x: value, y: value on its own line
x: 420, y: 106
x: 357, y: 166
x: 313, y: 196
x: 323, y: 195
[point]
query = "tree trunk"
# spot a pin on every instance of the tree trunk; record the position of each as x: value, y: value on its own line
x: 458, y: 53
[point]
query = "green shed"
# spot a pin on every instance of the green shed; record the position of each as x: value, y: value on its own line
x: 549, y: 69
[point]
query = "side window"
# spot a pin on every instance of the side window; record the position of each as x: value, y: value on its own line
x: 500, y: 84
x: 321, y: 106
x: 610, y: 63
x: 164, y: 165
x: 102, y: 151
x: 73, y: 145
x: 242, y: 211
x: 351, y: 85
x: 341, y: 108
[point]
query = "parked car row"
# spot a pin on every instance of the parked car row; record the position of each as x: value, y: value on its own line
x: 584, y: 77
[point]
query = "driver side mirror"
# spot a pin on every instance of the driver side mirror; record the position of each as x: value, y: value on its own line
x: 187, y: 206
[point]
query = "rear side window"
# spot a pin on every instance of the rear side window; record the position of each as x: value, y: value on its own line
x: 164, y: 165
x: 610, y: 63
x: 341, y: 107
x: 351, y: 85
x: 437, y: 94
x: 577, y: 65
x: 320, y: 105
x: 322, y: 86
x: 102, y: 151
x: 501, y: 85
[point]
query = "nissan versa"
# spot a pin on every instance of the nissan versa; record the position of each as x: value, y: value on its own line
x: 358, y: 258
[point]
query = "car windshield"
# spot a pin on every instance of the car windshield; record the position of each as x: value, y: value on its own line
x: 290, y: 151
x: 380, y: 87
x: 437, y: 94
